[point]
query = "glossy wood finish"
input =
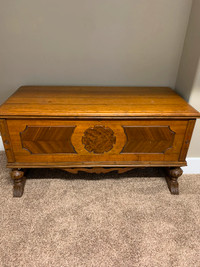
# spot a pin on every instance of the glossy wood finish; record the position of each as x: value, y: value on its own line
x: 76, y: 128
x: 118, y: 140
x: 79, y: 102
x: 47, y: 139
x: 148, y: 139
x: 98, y: 139
x: 78, y: 164
x: 6, y: 141
x: 187, y: 139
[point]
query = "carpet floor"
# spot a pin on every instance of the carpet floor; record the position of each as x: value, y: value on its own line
x: 88, y: 220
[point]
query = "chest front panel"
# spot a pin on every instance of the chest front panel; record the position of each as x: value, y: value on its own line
x: 91, y: 141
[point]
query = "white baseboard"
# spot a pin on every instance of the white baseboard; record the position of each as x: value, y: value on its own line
x: 192, y: 168
x: 1, y: 145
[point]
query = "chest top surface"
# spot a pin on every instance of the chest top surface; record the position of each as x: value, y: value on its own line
x: 84, y: 101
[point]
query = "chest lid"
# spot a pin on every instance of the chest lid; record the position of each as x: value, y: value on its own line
x: 96, y: 102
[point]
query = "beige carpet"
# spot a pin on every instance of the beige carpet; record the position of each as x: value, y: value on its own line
x: 105, y: 220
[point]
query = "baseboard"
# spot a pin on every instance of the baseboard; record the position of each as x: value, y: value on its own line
x: 1, y: 145
x: 192, y: 168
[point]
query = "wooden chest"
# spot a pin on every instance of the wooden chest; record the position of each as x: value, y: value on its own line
x: 107, y: 128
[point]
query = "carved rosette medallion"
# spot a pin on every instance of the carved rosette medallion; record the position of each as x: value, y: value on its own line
x: 99, y: 139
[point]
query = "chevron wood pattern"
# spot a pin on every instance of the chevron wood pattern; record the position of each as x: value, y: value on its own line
x: 47, y: 140
x: 148, y: 139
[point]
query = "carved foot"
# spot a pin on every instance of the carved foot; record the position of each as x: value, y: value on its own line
x: 19, y: 182
x: 171, y: 177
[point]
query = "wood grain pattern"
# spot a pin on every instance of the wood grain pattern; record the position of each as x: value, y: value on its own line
x: 148, y: 139
x: 82, y: 101
x: 82, y: 156
x: 91, y: 164
x: 187, y: 139
x: 6, y: 141
x: 158, y: 126
x: 47, y: 139
x: 98, y: 139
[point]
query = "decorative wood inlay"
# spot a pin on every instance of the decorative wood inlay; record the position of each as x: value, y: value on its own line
x: 148, y: 139
x: 48, y: 139
x: 99, y: 139
x: 97, y: 170
x: 131, y: 124
x: 112, y: 157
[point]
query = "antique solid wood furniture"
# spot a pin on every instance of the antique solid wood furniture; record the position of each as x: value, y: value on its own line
x: 96, y: 129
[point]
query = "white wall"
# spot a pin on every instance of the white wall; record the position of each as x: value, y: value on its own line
x: 194, y: 100
x: 188, y: 79
x: 91, y: 42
